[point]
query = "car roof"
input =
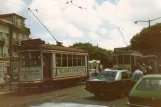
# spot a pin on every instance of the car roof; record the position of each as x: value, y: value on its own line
x: 152, y: 76
x: 115, y: 70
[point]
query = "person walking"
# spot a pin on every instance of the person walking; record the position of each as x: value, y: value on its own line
x: 137, y: 74
x: 2, y: 82
x: 7, y: 79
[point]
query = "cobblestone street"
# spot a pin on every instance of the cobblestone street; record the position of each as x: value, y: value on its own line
x: 76, y: 94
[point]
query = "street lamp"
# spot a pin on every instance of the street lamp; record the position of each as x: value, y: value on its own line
x: 147, y: 20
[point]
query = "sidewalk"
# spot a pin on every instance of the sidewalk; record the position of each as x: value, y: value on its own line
x: 7, y: 90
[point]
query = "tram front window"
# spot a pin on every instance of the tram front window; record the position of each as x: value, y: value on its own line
x: 126, y: 59
x: 25, y: 59
x: 120, y: 59
x: 35, y: 59
x: 30, y: 59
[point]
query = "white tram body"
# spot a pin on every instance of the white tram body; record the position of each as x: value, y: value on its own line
x: 43, y: 64
x: 126, y: 59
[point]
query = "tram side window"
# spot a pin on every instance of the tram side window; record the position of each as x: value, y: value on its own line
x: 126, y: 59
x: 64, y: 60
x: 25, y: 59
x: 79, y: 60
x: 58, y: 60
x: 70, y: 60
x: 83, y: 60
x: 120, y: 59
x: 74, y: 60
x: 35, y: 59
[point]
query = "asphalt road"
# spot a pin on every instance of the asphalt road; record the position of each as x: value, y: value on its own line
x: 75, y: 94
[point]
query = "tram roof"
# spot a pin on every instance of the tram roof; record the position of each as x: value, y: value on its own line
x: 151, y: 56
x: 61, y: 48
x: 50, y: 47
x: 38, y: 44
x: 127, y: 52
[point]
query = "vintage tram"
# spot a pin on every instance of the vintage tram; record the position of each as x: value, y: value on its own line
x: 44, y: 65
x: 126, y: 59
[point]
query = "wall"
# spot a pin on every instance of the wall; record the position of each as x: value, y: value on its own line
x: 5, y: 36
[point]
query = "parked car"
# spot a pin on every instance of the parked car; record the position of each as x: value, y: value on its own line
x: 146, y: 92
x: 110, y: 81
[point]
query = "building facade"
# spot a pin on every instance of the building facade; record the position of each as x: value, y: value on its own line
x: 12, y: 32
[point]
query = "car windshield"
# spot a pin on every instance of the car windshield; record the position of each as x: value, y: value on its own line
x: 107, y: 75
x: 149, y: 85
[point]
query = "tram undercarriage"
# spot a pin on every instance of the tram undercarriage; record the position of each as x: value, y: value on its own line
x: 55, y: 84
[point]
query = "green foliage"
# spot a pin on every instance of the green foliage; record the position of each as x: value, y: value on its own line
x: 97, y: 53
x: 148, y: 39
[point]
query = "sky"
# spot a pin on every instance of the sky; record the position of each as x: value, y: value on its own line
x: 96, y: 21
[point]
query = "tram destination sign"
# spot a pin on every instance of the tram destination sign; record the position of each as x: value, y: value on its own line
x: 65, y: 72
x: 30, y: 73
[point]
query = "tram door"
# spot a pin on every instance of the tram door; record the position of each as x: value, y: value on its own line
x: 47, y: 67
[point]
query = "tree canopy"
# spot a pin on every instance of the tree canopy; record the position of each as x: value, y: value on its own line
x: 149, y: 39
x: 96, y: 53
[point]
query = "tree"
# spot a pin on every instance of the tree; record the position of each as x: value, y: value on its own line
x: 149, y: 39
x: 96, y: 53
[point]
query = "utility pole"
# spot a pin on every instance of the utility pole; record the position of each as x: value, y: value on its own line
x: 149, y: 21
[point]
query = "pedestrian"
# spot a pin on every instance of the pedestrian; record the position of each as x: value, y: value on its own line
x: 6, y: 79
x: 2, y: 82
x: 143, y: 67
x: 137, y: 74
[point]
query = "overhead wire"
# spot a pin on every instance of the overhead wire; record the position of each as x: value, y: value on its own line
x: 55, y: 18
x: 34, y: 10
x: 96, y: 33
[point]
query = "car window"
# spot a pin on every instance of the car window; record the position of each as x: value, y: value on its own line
x: 125, y: 75
x: 107, y: 75
x: 149, y: 85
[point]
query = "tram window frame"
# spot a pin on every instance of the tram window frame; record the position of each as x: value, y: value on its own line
x: 125, y: 59
x: 64, y: 60
x: 58, y: 58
